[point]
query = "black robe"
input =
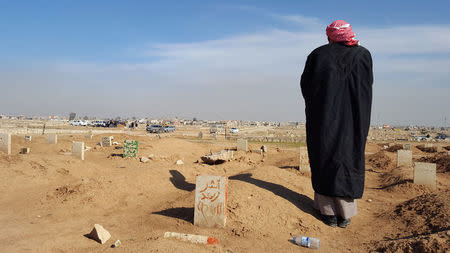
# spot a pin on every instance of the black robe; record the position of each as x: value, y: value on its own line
x: 337, y: 87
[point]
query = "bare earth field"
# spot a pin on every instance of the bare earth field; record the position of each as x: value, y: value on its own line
x: 50, y: 200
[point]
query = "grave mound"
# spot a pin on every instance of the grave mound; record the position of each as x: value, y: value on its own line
x: 441, y: 160
x: 395, y: 148
x: 379, y: 160
x: 424, y: 222
x: 427, y: 149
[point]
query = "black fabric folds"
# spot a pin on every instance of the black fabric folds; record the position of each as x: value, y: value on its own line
x: 337, y: 87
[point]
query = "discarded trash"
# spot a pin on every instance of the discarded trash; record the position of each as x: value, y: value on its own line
x: 116, y: 244
x: 308, y: 242
x: 191, y: 238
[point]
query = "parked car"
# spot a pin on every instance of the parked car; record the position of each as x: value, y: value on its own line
x: 442, y: 137
x: 169, y: 129
x: 155, y: 129
x: 78, y: 123
x: 234, y: 130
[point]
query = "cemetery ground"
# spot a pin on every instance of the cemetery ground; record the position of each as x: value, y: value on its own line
x: 50, y: 200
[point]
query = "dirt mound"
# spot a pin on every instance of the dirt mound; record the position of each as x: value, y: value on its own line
x: 424, y: 222
x: 428, y: 149
x: 379, y: 160
x: 441, y: 160
x: 395, y: 148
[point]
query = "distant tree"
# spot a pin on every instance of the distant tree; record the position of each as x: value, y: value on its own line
x: 85, y: 117
x: 194, y: 119
x: 72, y: 116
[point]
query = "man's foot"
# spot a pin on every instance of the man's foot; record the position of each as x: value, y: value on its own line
x: 343, y: 223
x: 330, y: 220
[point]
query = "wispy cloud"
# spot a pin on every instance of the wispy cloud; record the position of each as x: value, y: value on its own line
x: 256, y: 75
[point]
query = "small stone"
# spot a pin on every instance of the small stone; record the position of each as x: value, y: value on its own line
x: 99, y: 234
x: 151, y: 156
x: 369, y: 200
x: 116, y: 244
x: 115, y: 143
x: 144, y: 159
x: 87, y: 148
x: 179, y: 162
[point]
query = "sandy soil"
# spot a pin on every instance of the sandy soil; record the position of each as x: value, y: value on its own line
x: 50, y: 200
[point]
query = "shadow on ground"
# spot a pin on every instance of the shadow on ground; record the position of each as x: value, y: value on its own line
x: 179, y: 181
x: 301, y: 201
x: 183, y: 213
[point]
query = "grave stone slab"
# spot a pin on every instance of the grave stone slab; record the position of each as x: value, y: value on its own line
x: 242, y: 144
x: 25, y: 151
x: 52, y: 138
x: 130, y: 148
x: 407, y: 146
x: 425, y: 174
x: 78, y: 149
x: 304, y: 159
x: 5, y: 143
x: 211, y: 193
x: 107, y: 141
x: 428, y: 145
x: 404, y: 158
x: 28, y: 137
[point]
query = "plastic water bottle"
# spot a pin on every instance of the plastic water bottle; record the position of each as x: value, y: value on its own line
x: 308, y: 242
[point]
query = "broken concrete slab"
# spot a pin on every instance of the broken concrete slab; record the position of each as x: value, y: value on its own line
x: 217, y: 158
x: 144, y: 159
x: 425, y: 174
x: 5, y: 143
x: 404, y: 158
x: 211, y: 193
x: 99, y: 234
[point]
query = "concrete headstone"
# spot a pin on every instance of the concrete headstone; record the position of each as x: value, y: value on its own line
x: 304, y: 159
x: 211, y: 193
x: 107, y: 141
x: 242, y: 144
x: 78, y: 149
x: 404, y: 157
x: 130, y: 148
x: 425, y: 174
x: 5, y: 143
x: 52, y: 138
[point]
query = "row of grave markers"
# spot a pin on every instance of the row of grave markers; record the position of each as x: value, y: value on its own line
x: 78, y: 148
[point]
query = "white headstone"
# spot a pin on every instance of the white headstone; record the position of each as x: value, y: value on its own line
x: 404, y: 157
x: 28, y: 137
x: 304, y: 159
x: 242, y: 144
x: 210, y: 201
x: 425, y: 173
x: 107, y: 141
x: 5, y: 143
x: 52, y: 138
x: 78, y: 149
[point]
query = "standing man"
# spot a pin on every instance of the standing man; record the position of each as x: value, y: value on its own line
x: 337, y: 87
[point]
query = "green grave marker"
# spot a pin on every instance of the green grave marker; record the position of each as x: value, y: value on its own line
x: 130, y: 148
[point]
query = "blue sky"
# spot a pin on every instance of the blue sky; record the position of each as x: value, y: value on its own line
x: 214, y: 59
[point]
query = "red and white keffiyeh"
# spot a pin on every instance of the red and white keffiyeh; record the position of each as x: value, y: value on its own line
x: 341, y: 31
